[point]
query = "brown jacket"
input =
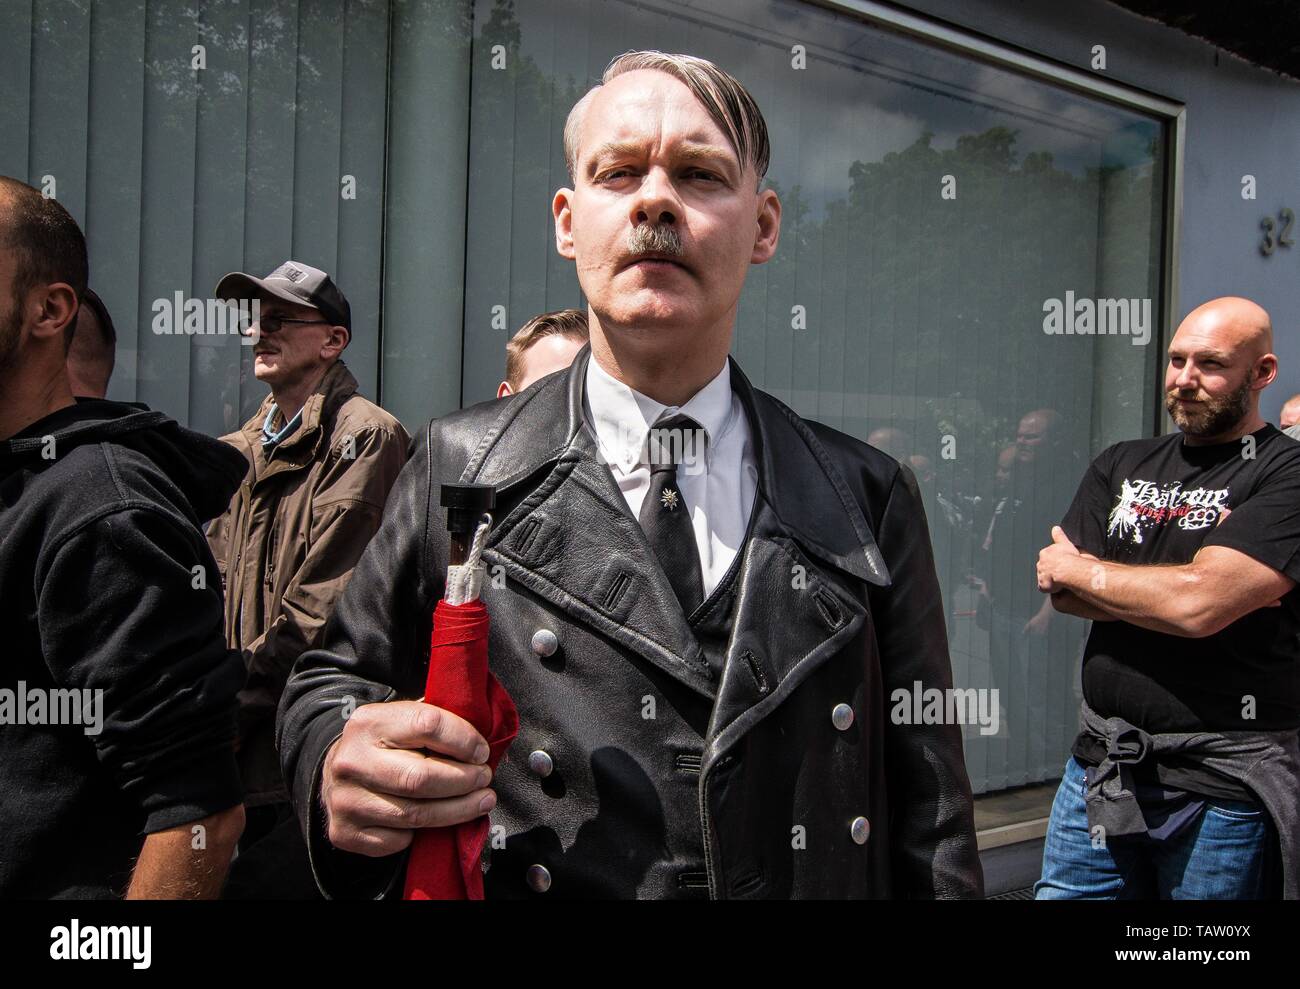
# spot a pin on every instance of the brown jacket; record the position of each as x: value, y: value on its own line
x: 287, y: 545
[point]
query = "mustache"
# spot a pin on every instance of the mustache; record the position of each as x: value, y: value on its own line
x: 659, y: 238
x: 1214, y: 414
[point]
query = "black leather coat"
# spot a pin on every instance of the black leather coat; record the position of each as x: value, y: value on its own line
x: 668, y: 781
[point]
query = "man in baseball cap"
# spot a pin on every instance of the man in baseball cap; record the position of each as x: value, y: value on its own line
x: 321, y: 460
x: 295, y: 283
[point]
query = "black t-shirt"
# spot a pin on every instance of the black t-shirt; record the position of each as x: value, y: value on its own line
x: 1158, y: 501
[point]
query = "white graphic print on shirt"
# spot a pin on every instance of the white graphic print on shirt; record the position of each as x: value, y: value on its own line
x: 1145, y: 505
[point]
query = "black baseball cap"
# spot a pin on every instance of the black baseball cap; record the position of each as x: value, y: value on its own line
x: 294, y: 282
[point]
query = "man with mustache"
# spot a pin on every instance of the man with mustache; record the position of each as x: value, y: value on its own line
x: 321, y: 460
x: 1184, y: 550
x: 704, y: 601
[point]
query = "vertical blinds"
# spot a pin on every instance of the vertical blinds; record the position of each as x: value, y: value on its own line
x: 179, y: 173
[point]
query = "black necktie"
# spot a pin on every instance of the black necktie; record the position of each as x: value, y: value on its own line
x: 664, y: 516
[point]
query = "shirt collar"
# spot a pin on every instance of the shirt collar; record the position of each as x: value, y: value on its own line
x: 272, y: 437
x: 622, y: 416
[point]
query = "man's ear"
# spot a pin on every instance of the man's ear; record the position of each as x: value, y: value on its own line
x: 1265, y: 372
x: 338, y: 339
x: 562, y: 210
x: 767, y: 230
x: 57, y: 310
x: 504, y: 389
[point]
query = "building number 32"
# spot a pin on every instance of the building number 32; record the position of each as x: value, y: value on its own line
x: 1285, y: 221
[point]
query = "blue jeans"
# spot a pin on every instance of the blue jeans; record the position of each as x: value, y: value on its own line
x: 1225, y: 854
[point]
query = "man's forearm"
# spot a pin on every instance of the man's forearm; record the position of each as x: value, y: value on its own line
x: 1158, y: 598
x: 190, y: 861
x: 1069, y: 603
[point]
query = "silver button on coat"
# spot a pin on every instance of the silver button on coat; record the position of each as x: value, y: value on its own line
x: 539, y: 878
x: 541, y: 763
x: 545, y: 642
x: 842, y: 716
x: 860, y: 829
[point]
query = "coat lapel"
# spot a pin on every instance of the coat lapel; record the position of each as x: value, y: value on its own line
x: 570, y: 538
x: 567, y: 535
x: 792, y: 613
x: 790, y: 616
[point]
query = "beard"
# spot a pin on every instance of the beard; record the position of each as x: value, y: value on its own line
x: 1212, y: 416
x: 10, y: 335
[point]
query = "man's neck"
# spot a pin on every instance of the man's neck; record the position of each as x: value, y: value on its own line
x: 30, y: 396
x: 1252, y: 423
x: 292, y: 397
x: 670, y: 376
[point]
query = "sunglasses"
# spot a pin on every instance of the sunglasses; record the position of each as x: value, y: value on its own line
x: 272, y: 324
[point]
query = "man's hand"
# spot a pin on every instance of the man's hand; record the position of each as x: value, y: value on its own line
x: 380, y: 782
x: 1194, y: 600
x: 189, y: 861
x: 1057, y: 560
x: 1054, y: 562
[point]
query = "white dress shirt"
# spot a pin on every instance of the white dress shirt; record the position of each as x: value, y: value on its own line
x: 717, y: 487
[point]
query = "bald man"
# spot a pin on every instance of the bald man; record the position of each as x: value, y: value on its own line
x: 1037, y: 431
x: 892, y: 441
x: 1289, y: 420
x: 1184, y: 550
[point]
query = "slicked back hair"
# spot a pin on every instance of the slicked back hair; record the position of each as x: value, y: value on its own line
x: 562, y: 322
x: 728, y: 102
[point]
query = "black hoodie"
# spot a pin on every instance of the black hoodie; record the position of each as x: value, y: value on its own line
x: 108, y: 589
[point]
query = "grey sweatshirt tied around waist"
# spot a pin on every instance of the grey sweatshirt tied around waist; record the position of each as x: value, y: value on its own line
x: 1265, y: 762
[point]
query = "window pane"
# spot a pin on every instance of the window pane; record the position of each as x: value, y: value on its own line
x: 193, y: 139
x: 933, y: 206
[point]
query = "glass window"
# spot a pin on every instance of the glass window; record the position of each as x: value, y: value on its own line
x: 190, y: 140
x: 942, y: 214
x: 937, y: 212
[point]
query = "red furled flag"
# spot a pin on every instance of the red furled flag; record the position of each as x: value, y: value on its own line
x: 444, y: 862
